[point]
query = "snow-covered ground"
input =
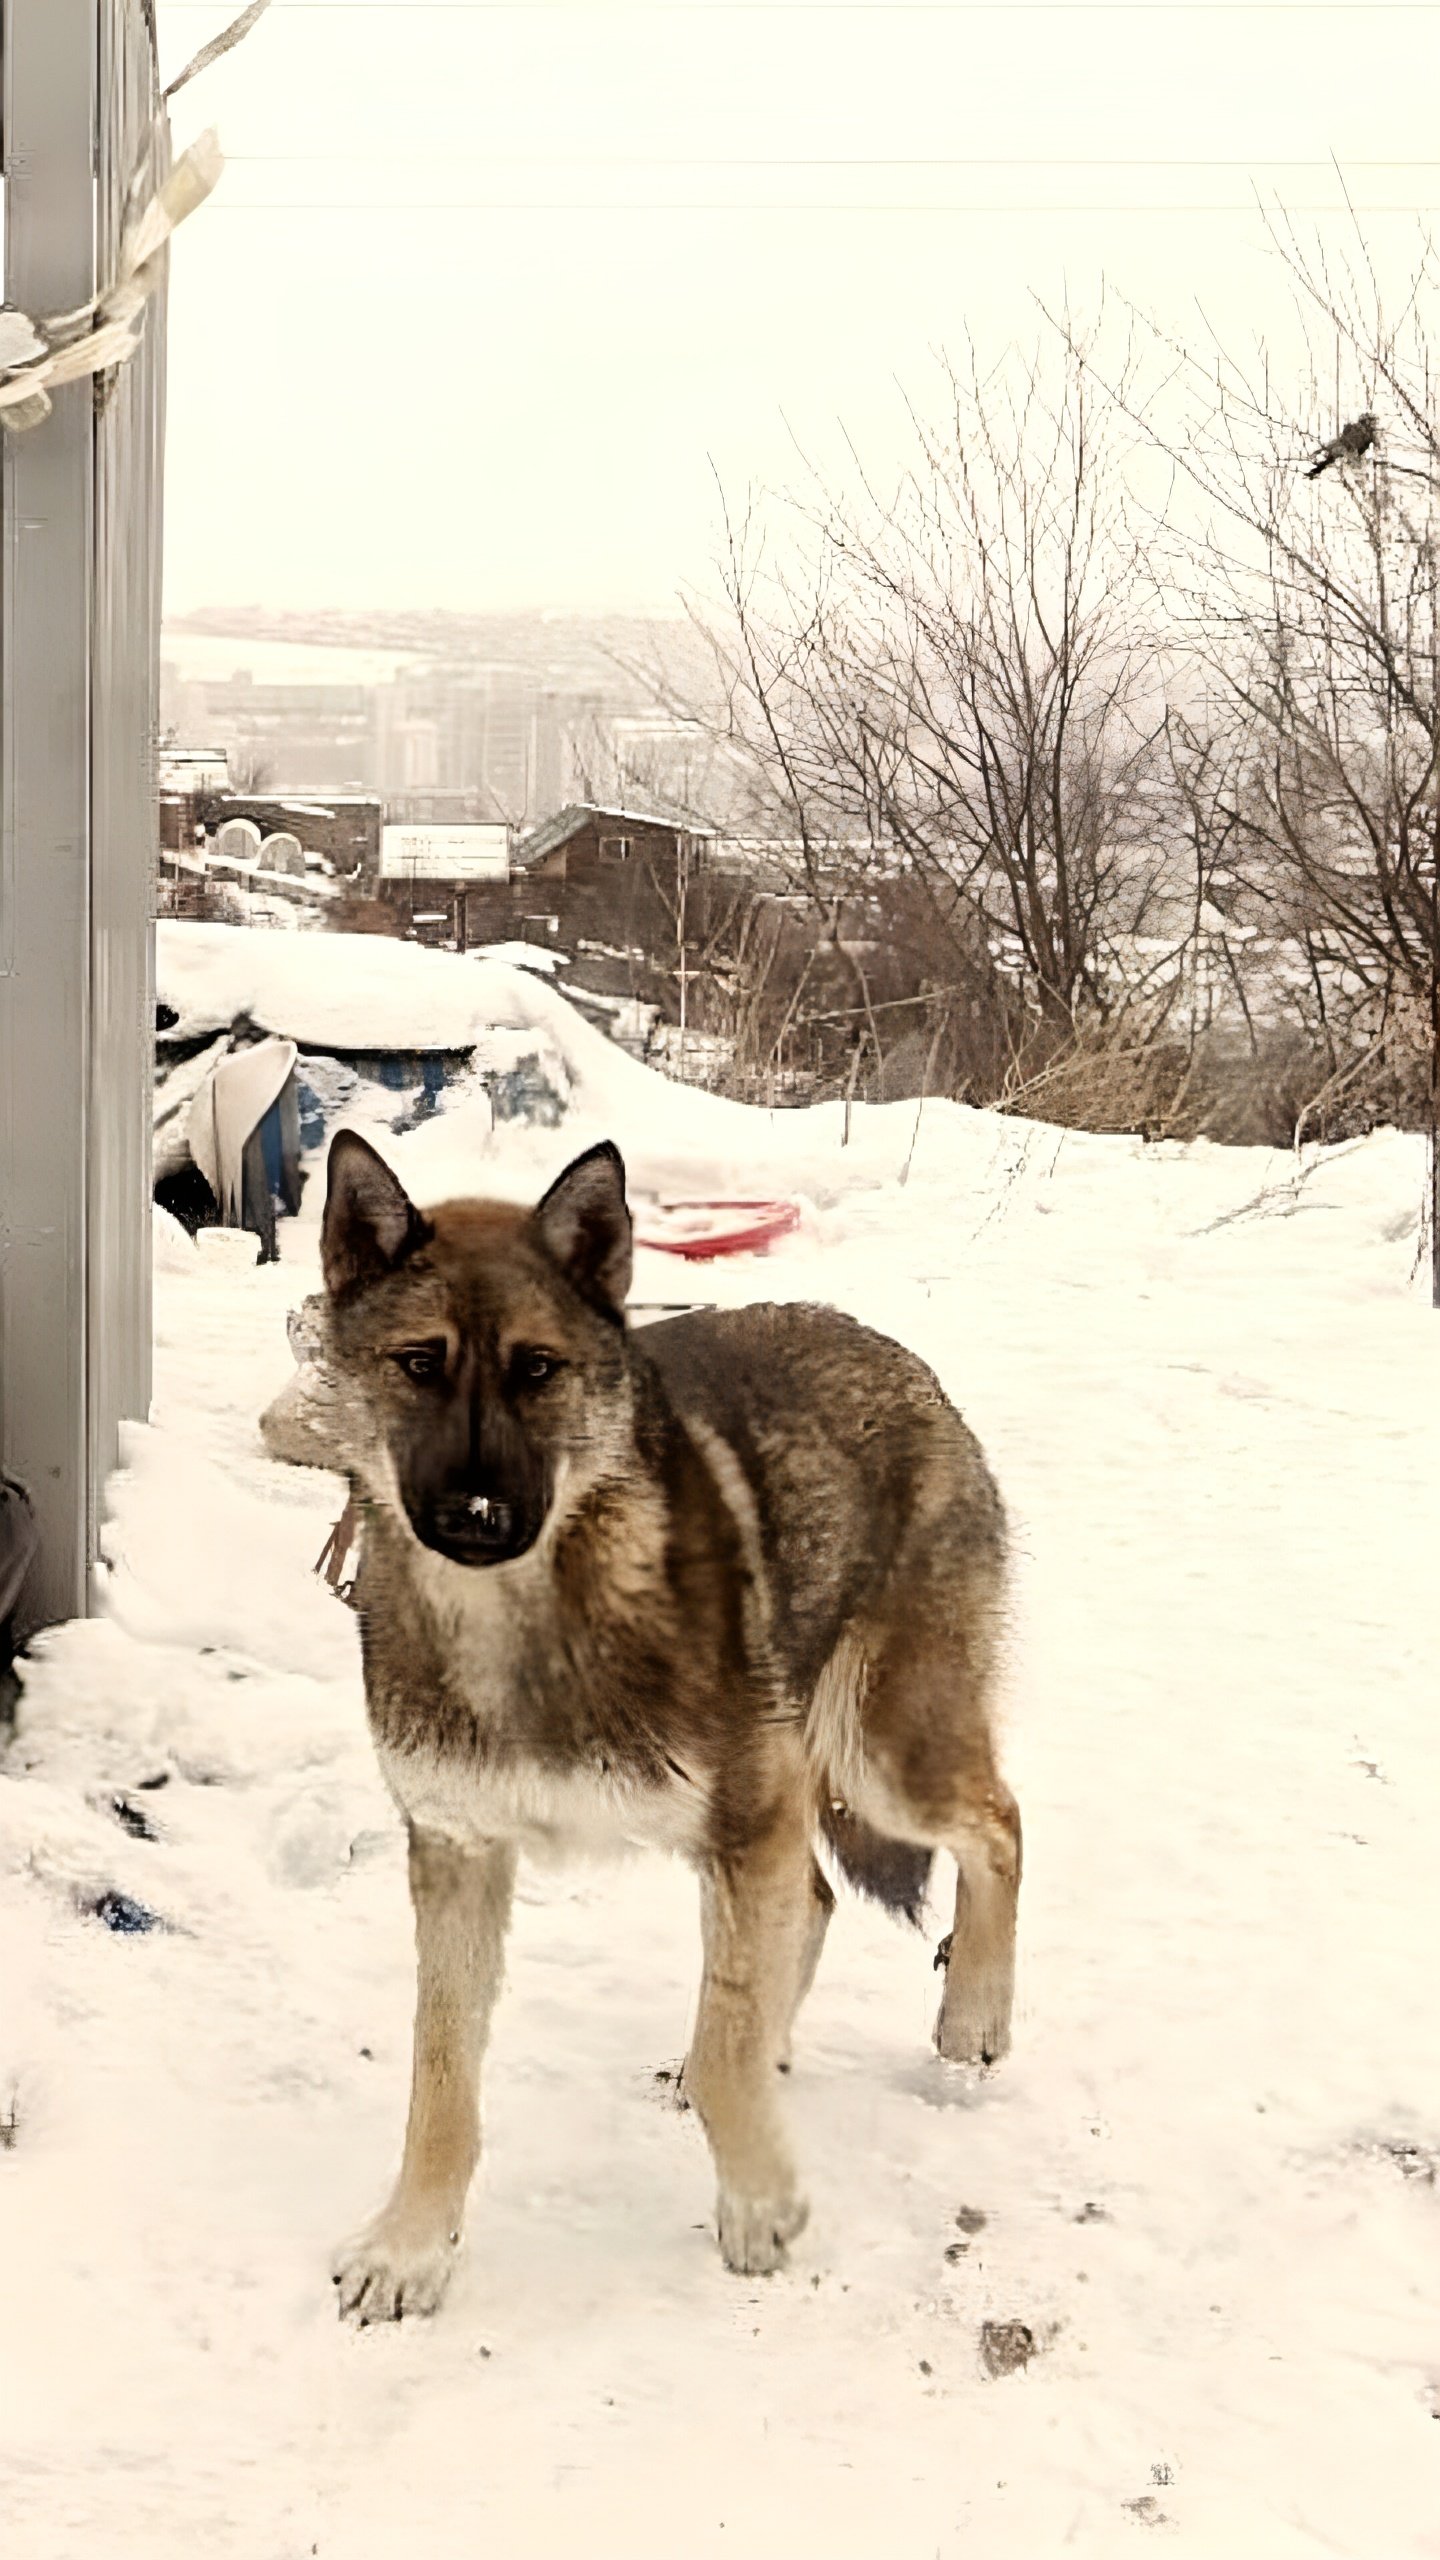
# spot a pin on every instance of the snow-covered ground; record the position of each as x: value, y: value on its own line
x: 1205, y: 2181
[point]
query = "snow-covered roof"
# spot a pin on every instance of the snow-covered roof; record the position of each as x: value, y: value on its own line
x: 557, y: 831
x: 521, y: 955
x: 356, y: 993
x: 343, y: 991
x: 469, y: 852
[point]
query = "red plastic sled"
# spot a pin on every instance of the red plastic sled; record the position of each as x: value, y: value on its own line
x: 703, y: 1230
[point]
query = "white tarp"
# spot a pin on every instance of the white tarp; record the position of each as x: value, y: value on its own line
x: 445, y: 853
x: 231, y: 1103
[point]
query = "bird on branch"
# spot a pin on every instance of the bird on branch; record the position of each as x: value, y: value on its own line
x: 1353, y: 440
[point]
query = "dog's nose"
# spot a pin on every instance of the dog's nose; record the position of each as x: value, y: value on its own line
x: 474, y: 1515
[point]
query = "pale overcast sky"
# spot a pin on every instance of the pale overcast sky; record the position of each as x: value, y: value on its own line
x: 486, y: 286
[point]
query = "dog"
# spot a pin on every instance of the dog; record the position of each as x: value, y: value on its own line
x: 729, y: 1585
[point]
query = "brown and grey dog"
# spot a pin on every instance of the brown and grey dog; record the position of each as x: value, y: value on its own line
x: 728, y: 1586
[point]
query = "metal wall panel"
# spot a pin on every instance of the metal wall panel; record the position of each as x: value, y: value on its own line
x: 78, y: 650
x: 125, y: 686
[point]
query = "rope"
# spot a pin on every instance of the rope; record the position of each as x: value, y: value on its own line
x: 38, y: 357
x: 335, y: 1553
x: 222, y: 43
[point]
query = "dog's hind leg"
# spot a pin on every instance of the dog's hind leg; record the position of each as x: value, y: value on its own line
x: 402, y: 2263
x: 760, y: 1929
x: 979, y: 1956
x: 926, y: 1768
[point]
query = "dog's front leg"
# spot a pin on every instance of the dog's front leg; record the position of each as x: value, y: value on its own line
x: 757, y: 1914
x: 402, y: 2263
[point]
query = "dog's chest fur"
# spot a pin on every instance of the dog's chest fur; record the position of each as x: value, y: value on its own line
x: 512, y: 1741
x: 554, y: 1814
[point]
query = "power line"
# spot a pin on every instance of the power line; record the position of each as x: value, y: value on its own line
x: 653, y: 204
x: 785, y: 160
x: 833, y: 8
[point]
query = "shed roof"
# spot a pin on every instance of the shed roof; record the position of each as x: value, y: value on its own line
x: 557, y: 831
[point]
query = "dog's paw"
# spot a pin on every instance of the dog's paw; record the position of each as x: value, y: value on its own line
x: 396, y: 2270
x: 754, y: 2230
x: 974, y: 2021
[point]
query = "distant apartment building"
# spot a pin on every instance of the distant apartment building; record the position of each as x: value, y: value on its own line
x: 429, y: 806
x: 491, y: 741
x: 407, y: 750
x: 661, y: 756
x: 297, y: 736
x: 454, y: 741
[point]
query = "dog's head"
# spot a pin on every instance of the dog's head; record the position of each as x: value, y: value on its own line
x: 486, y: 1342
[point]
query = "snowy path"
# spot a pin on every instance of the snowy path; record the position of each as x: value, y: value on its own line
x: 1218, y: 1442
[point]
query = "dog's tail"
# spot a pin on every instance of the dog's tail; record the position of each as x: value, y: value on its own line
x: 894, y: 1873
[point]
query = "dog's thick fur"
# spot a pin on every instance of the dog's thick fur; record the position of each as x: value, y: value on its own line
x: 724, y: 1586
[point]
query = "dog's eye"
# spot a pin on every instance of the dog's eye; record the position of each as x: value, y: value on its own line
x: 532, y: 1368
x: 423, y: 1362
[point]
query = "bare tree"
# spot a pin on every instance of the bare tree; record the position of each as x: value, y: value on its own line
x: 949, y: 687
x: 1311, y: 592
x: 691, y: 917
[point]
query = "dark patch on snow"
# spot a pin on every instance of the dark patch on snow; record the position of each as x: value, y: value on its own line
x: 525, y: 1092
x: 426, y: 1099
x: 1146, y: 2510
x: 188, y: 1199
x: 1414, y: 2160
x: 1006, y: 2346
x: 324, y: 1086
x: 126, y: 1918
x: 133, y: 1818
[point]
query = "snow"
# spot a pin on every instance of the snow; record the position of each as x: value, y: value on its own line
x: 521, y: 955
x: 366, y: 992
x: 1208, y: 1381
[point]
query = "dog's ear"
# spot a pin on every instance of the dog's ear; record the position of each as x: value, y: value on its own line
x: 584, y: 1224
x: 370, y: 1224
